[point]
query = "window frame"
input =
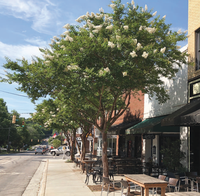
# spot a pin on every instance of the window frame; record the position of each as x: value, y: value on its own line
x: 197, y: 49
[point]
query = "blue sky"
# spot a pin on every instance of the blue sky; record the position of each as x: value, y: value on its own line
x: 27, y: 25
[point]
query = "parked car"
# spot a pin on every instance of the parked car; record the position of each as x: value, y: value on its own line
x: 40, y: 150
x: 60, y: 150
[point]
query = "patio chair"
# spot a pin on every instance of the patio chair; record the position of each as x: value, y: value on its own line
x: 126, y: 185
x: 189, y: 180
x: 88, y: 174
x: 196, y: 184
x: 161, y: 177
x: 107, y: 184
x: 173, y: 183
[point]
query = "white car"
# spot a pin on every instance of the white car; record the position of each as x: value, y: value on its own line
x: 40, y: 150
x: 60, y: 150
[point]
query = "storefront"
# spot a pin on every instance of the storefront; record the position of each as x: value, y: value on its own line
x: 152, y: 135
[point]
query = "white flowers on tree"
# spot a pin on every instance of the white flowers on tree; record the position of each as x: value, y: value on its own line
x: 179, y: 31
x: 99, y: 63
x: 111, y: 44
x: 133, y: 54
x: 109, y: 27
x: 139, y: 46
x: 126, y: 27
x: 91, y: 35
x: 112, y: 6
x: 162, y: 50
x: 154, y: 13
x: 145, y: 55
x: 67, y: 26
x: 94, y: 24
x: 124, y: 73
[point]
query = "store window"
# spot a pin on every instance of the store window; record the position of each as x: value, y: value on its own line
x: 197, y: 38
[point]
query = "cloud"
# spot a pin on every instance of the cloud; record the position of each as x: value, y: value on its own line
x: 37, y: 41
x: 43, y: 14
x: 18, y: 51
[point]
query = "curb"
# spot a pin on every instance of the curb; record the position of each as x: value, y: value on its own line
x: 34, y: 185
x: 44, y: 180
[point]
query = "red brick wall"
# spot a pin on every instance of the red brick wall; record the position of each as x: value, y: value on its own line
x: 136, y: 107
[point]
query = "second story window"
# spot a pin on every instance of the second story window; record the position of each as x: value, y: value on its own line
x: 197, y: 50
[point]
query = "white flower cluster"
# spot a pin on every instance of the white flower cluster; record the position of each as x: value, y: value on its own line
x: 106, y: 69
x: 47, y: 56
x: 111, y: 44
x: 91, y: 35
x: 46, y: 62
x: 179, y: 31
x: 151, y: 30
x: 95, y: 31
x: 162, y: 50
x: 63, y: 47
x: 56, y: 38
x: 101, y: 10
x: 101, y: 72
x: 68, y: 38
x: 154, y: 13
x: 67, y: 26
x: 99, y: 27
x: 145, y: 55
x: 133, y: 54
x: 126, y: 27
x: 79, y: 19
x: 112, y: 6
x: 139, y: 46
x: 124, y: 74
x: 109, y: 27
x: 135, y: 41
x: 66, y: 33
x: 72, y: 67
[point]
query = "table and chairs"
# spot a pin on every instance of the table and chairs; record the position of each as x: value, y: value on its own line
x: 146, y: 182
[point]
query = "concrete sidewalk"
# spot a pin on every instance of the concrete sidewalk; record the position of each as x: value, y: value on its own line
x: 62, y: 179
x: 57, y: 177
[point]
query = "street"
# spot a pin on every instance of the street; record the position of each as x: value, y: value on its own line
x: 16, y: 171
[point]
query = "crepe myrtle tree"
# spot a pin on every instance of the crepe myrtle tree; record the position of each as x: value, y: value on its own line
x: 59, y: 115
x: 100, y: 63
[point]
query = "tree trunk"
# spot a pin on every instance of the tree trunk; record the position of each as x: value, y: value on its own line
x: 73, y: 144
x: 83, y: 148
x: 104, y: 153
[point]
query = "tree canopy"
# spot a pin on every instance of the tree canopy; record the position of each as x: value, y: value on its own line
x: 101, y: 63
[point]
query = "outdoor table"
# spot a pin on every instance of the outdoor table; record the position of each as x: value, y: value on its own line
x: 183, y: 194
x: 88, y: 162
x: 146, y: 182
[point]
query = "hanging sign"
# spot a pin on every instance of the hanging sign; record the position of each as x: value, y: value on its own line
x: 89, y: 138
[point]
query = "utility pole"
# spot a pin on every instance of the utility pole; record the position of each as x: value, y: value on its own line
x: 8, y: 148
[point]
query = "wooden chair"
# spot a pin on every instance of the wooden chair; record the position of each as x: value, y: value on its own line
x: 161, y: 177
x: 173, y: 183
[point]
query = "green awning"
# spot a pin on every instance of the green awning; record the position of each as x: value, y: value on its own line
x: 151, y: 125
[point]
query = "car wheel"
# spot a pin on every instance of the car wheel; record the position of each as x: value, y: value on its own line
x: 68, y: 154
x: 42, y: 152
x: 35, y: 152
x: 53, y: 153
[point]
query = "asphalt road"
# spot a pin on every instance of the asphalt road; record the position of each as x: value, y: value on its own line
x: 16, y: 171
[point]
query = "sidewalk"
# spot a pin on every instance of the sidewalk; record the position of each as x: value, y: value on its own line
x: 62, y: 179
x: 56, y: 177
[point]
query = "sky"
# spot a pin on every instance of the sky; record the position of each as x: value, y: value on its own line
x: 27, y: 25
